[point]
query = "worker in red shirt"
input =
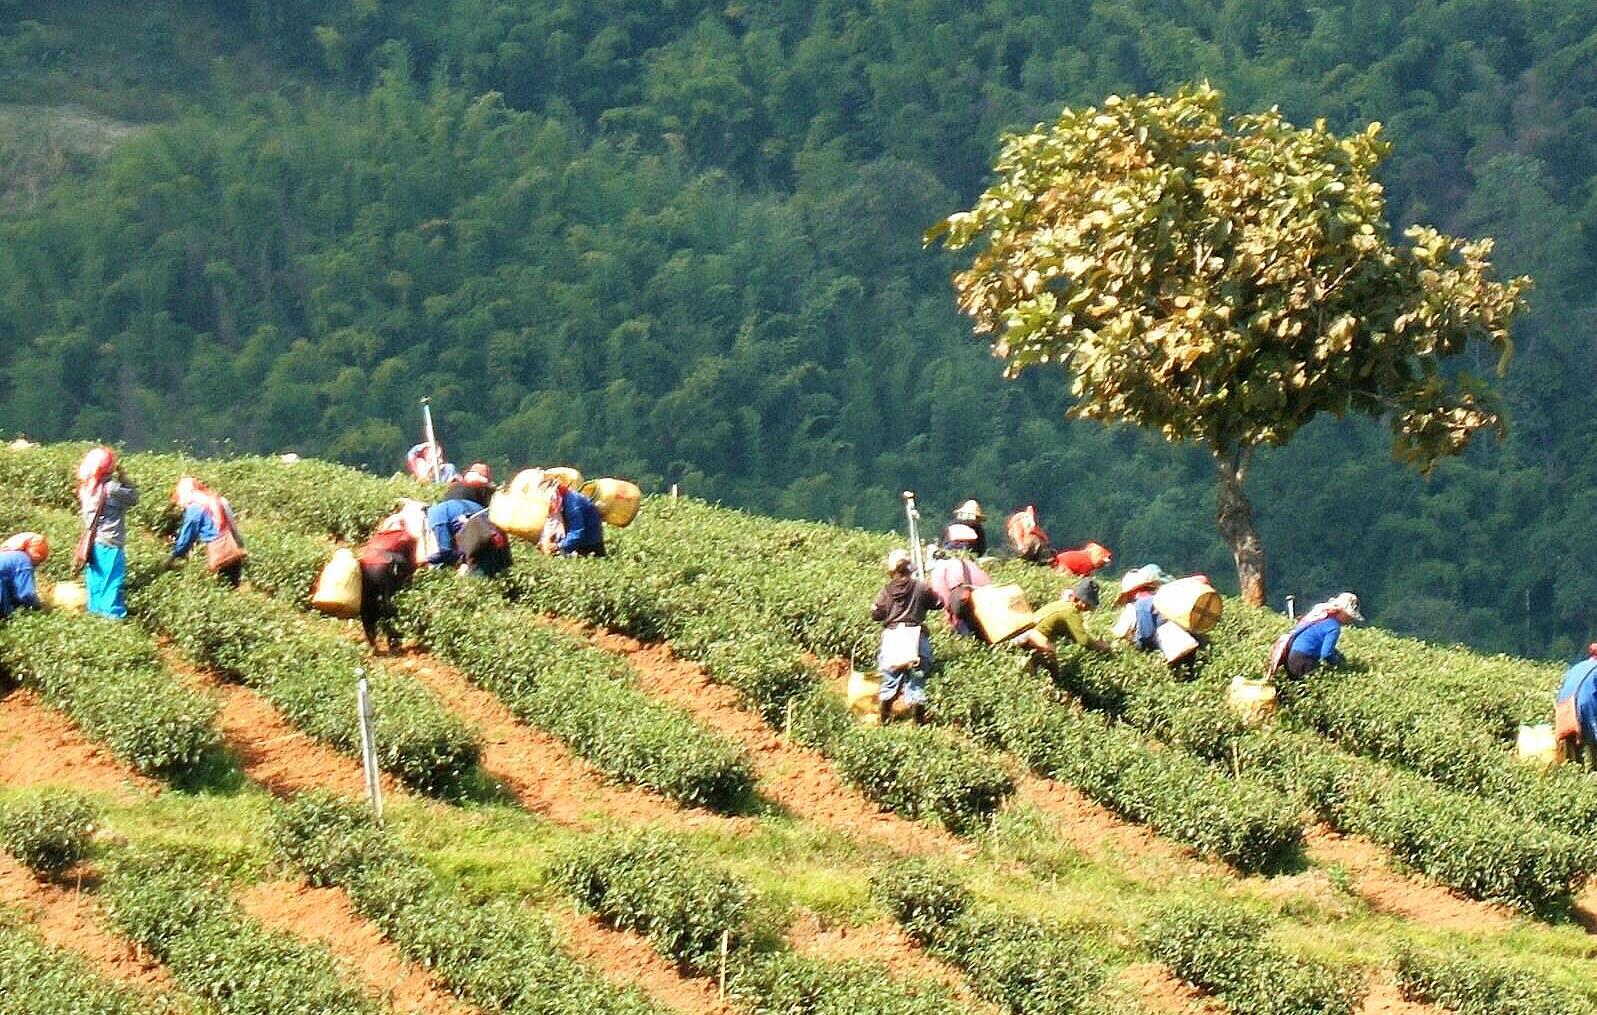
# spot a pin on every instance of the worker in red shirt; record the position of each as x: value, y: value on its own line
x: 1084, y: 561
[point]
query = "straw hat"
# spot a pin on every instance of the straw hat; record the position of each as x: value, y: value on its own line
x: 970, y: 511
x: 1138, y: 579
x: 1347, y: 604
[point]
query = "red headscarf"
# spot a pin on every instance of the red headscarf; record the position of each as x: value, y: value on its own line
x: 34, y: 544
x: 97, y: 467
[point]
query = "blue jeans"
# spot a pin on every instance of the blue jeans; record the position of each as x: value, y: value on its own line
x: 103, y: 577
x: 910, y: 680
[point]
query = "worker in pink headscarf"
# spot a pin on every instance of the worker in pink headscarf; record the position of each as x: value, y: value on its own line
x: 104, y: 497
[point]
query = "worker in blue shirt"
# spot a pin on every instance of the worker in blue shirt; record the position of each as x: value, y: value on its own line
x: 1313, y: 642
x: 19, y: 556
x: 583, y: 525
x: 1137, y: 589
x: 1580, y: 685
x: 205, y: 514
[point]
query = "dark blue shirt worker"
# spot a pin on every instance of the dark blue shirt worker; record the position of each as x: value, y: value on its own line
x: 1580, y: 682
x: 19, y: 556
x: 1314, y: 642
x: 584, y: 526
x: 1137, y: 588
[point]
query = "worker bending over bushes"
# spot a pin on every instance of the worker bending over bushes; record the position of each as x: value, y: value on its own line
x: 1312, y: 641
x: 905, y: 658
x: 207, y: 520
x: 19, y: 556
x: 387, y: 562
x: 1063, y: 619
x: 577, y: 527
x: 1575, y: 713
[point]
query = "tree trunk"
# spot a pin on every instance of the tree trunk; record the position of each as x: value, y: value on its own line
x: 1235, y: 516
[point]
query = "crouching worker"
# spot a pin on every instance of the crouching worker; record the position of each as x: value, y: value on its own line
x: 1140, y: 622
x: 477, y: 485
x: 579, y: 528
x: 1063, y: 620
x: 906, y: 653
x: 1575, y: 711
x: 208, y: 520
x: 19, y: 556
x: 466, y: 537
x: 1312, y: 641
x: 387, y: 562
x: 953, y: 580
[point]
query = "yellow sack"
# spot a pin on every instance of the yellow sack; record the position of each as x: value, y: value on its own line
x: 1190, y: 603
x: 71, y: 597
x: 1539, y: 745
x: 521, y: 515
x: 563, y: 474
x: 1001, y: 611
x: 616, y: 499
x: 338, y: 589
x: 1252, y: 700
x: 526, y: 482
x: 863, y: 689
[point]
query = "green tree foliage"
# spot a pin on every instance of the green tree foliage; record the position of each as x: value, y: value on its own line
x: 1225, y: 281
x: 681, y: 241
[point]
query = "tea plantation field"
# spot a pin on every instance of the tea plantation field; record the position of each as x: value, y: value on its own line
x: 633, y: 785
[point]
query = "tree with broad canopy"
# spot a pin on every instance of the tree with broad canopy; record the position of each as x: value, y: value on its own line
x: 1224, y: 280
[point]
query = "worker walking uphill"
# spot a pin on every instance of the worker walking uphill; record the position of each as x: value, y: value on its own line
x: 207, y: 520
x: 466, y: 537
x: 905, y: 658
x: 104, y: 497
x: 579, y: 531
x: 1312, y: 641
x: 1575, y: 711
x: 19, y: 556
x: 966, y: 531
x: 387, y: 562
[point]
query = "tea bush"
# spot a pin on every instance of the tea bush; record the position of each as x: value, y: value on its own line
x: 785, y: 983
x: 924, y: 773
x: 108, y: 678
x: 217, y: 953
x: 309, y: 675
x: 498, y: 955
x: 1023, y: 966
x: 1222, y: 950
x: 649, y: 884
x: 37, y: 980
x: 48, y: 832
x: 1468, y: 985
x: 1246, y: 824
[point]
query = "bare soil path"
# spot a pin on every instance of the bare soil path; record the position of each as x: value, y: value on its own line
x: 71, y: 920
x: 542, y: 773
x: 40, y: 746
x: 326, y: 916
x: 629, y: 959
x: 1389, y: 891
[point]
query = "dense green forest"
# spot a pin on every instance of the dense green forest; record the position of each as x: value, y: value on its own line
x: 682, y: 241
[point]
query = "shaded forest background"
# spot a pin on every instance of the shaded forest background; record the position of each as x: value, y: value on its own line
x: 680, y: 241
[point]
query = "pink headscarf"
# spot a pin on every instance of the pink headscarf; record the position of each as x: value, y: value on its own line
x: 97, y: 467
x: 191, y: 491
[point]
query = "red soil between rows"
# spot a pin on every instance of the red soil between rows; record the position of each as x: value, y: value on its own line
x: 1389, y: 891
x: 629, y: 959
x: 73, y: 921
x: 883, y: 942
x: 326, y: 916
x: 40, y: 746
x: 542, y: 773
x: 797, y: 778
x: 273, y: 752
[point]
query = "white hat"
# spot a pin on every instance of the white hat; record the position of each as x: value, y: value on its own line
x: 1346, y: 603
x: 896, y: 559
x: 960, y: 533
x: 1140, y: 578
x: 970, y: 511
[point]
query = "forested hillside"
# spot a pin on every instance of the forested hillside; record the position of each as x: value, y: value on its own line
x: 682, y: 241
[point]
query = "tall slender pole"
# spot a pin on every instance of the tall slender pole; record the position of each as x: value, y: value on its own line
x: 917, y: 555
x: 434, y: 456
x: 368, y: 744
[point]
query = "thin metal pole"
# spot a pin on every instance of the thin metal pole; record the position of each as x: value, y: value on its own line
x: 368, y: 744
x: 432, y: 440
x: 1291, y: 608
x: 917, y: 556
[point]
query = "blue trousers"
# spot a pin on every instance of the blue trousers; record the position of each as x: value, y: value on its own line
x: 103, y: 577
